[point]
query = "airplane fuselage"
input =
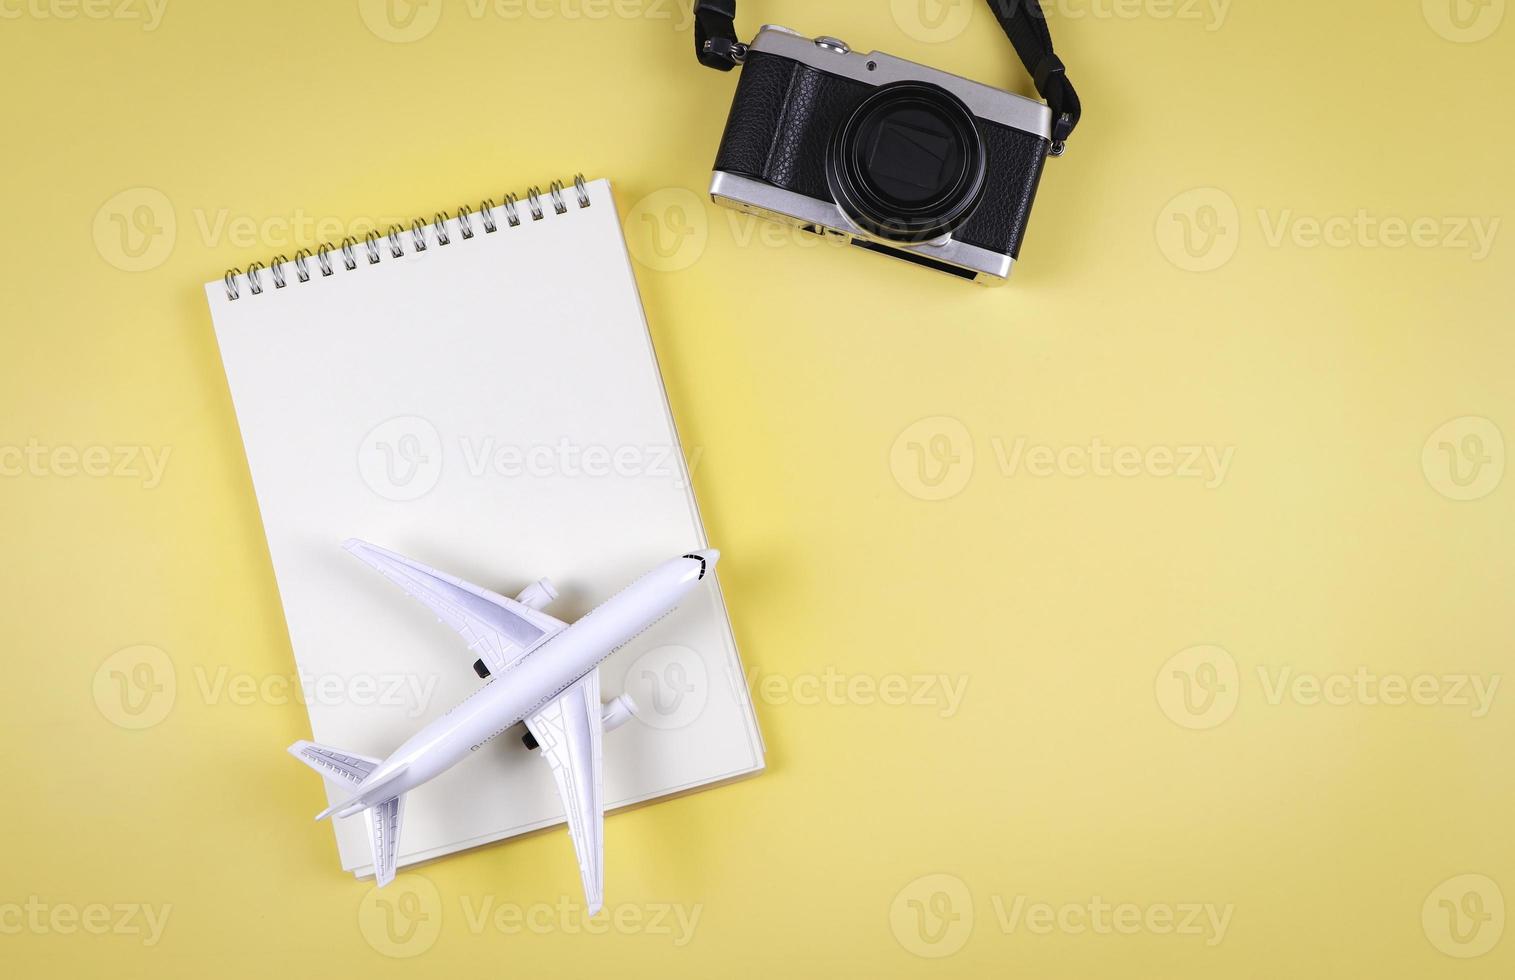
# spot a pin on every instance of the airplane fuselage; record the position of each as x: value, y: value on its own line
x: 533, y: 680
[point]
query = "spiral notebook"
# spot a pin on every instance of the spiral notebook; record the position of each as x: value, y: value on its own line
x: 479, y: 392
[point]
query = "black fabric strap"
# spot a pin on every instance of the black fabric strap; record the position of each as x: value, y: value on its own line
x: 1023, y: 21
x: 1025, y: 24
x: 715, y: 42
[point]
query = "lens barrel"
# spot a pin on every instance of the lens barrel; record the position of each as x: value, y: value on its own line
x: 908, y: 164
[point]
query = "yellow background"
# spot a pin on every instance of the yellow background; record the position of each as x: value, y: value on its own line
x: 1072, y: 769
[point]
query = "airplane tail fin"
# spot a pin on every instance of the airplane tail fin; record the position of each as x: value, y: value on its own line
x: 370, y: 794
x: 384, y: 811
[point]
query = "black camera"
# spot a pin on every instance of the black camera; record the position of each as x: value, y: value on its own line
x: 886, y: 154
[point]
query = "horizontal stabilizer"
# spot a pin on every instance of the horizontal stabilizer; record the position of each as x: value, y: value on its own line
x: 368, y: 795
x: 384, y: 830
x: 334, y: 764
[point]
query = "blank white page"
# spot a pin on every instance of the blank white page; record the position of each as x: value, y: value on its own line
x: 491, y: 407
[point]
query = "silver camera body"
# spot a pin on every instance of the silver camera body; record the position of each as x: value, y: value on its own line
x: 882, y: 153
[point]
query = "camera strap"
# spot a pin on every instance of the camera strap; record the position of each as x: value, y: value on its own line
x: 715, y: 42
x: 1023, y: 21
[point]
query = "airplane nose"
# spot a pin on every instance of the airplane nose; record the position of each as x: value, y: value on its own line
x: 706, y: 558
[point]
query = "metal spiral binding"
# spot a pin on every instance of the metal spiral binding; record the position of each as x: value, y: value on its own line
x: 422, y: 235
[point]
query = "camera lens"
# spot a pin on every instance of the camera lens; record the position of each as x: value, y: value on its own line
x: 908, y: 164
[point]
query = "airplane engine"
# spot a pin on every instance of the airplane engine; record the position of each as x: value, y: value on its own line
x: 616, y: 713
x: 538, y: 594
x: 613, y: 714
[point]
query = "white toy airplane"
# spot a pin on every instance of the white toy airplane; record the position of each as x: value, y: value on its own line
x: 541, y: 671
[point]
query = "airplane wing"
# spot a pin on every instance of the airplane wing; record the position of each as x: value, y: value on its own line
x: 498, y: 629
x: 568, y: 731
